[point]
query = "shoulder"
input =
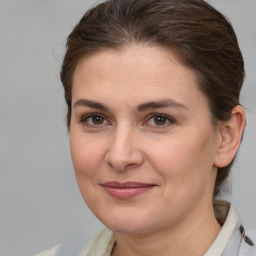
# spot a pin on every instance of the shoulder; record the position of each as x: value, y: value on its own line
x: 101, y: 245
x: 49, y: 252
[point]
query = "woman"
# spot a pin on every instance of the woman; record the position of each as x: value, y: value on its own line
x: 152, y: 89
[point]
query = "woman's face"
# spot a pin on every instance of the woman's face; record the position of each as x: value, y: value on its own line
x: 142, y: 141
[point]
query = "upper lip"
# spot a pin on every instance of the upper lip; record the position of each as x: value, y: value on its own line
x: 130, y: 184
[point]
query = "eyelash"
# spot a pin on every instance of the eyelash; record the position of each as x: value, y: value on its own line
x: 160, y: 115
x: 166, y: 118
x: 84, y: 119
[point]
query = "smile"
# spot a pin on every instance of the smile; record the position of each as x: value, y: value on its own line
x: 126, y: 190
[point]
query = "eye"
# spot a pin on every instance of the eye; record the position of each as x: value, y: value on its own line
x: 94, y: 119
x: 159, y: 120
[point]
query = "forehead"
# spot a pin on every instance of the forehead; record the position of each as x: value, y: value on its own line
x: 133, y: 55
x: 135, y: 71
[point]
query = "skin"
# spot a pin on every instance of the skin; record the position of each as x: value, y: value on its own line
x: 177, y: 152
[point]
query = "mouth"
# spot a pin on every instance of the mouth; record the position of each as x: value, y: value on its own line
x: 127, y: 189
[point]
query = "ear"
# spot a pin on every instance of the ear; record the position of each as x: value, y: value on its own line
x: 230, y: 137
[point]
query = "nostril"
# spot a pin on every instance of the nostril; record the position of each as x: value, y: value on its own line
x: 124, y: 162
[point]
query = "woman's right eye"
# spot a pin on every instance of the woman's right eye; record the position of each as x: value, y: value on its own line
x: 94, y: 120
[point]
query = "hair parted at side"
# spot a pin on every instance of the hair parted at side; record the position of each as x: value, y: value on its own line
x: 202, y: 38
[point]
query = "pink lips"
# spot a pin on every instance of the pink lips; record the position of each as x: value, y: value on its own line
x: 127, y: 189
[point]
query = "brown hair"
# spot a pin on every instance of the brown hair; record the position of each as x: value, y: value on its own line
x: 200, y: 35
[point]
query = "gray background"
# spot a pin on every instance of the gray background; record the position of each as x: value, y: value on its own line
x: 39, y: 199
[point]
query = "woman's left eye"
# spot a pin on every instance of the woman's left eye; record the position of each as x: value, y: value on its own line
x: 159, y: 120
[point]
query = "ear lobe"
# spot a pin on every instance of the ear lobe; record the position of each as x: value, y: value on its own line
x: 230, y: 137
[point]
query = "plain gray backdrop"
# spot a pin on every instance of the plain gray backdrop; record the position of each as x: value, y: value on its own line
x: 39, y: 199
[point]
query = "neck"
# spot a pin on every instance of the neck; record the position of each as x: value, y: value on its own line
x: 189, y: 237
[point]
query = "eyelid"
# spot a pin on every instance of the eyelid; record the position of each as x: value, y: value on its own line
x: 94, y: 114
x: 170, y: 119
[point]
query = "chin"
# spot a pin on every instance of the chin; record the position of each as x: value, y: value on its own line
x: 129, y: 228
x: 128, y: 222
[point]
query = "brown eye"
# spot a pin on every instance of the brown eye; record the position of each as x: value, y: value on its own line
x: 94, y: 120
x: 160, y: 120
x: 97, y: 120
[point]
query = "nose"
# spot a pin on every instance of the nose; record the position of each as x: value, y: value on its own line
x: 124, y: 150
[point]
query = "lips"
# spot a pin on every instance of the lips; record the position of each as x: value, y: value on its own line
x: 127, y: 189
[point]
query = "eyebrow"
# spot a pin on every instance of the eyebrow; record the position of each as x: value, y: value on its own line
x: 90, y: 104
x: 165, y: 103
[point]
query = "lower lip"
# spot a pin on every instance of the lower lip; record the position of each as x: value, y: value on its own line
x: 126, y: 192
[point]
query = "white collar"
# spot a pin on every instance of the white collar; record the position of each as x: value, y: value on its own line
x: 230, y: 218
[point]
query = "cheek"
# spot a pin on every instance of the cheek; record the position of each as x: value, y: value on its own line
x: 184, y: 159
x: 186, y: 176
x: 87, y: 159
x: 86, y: 156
